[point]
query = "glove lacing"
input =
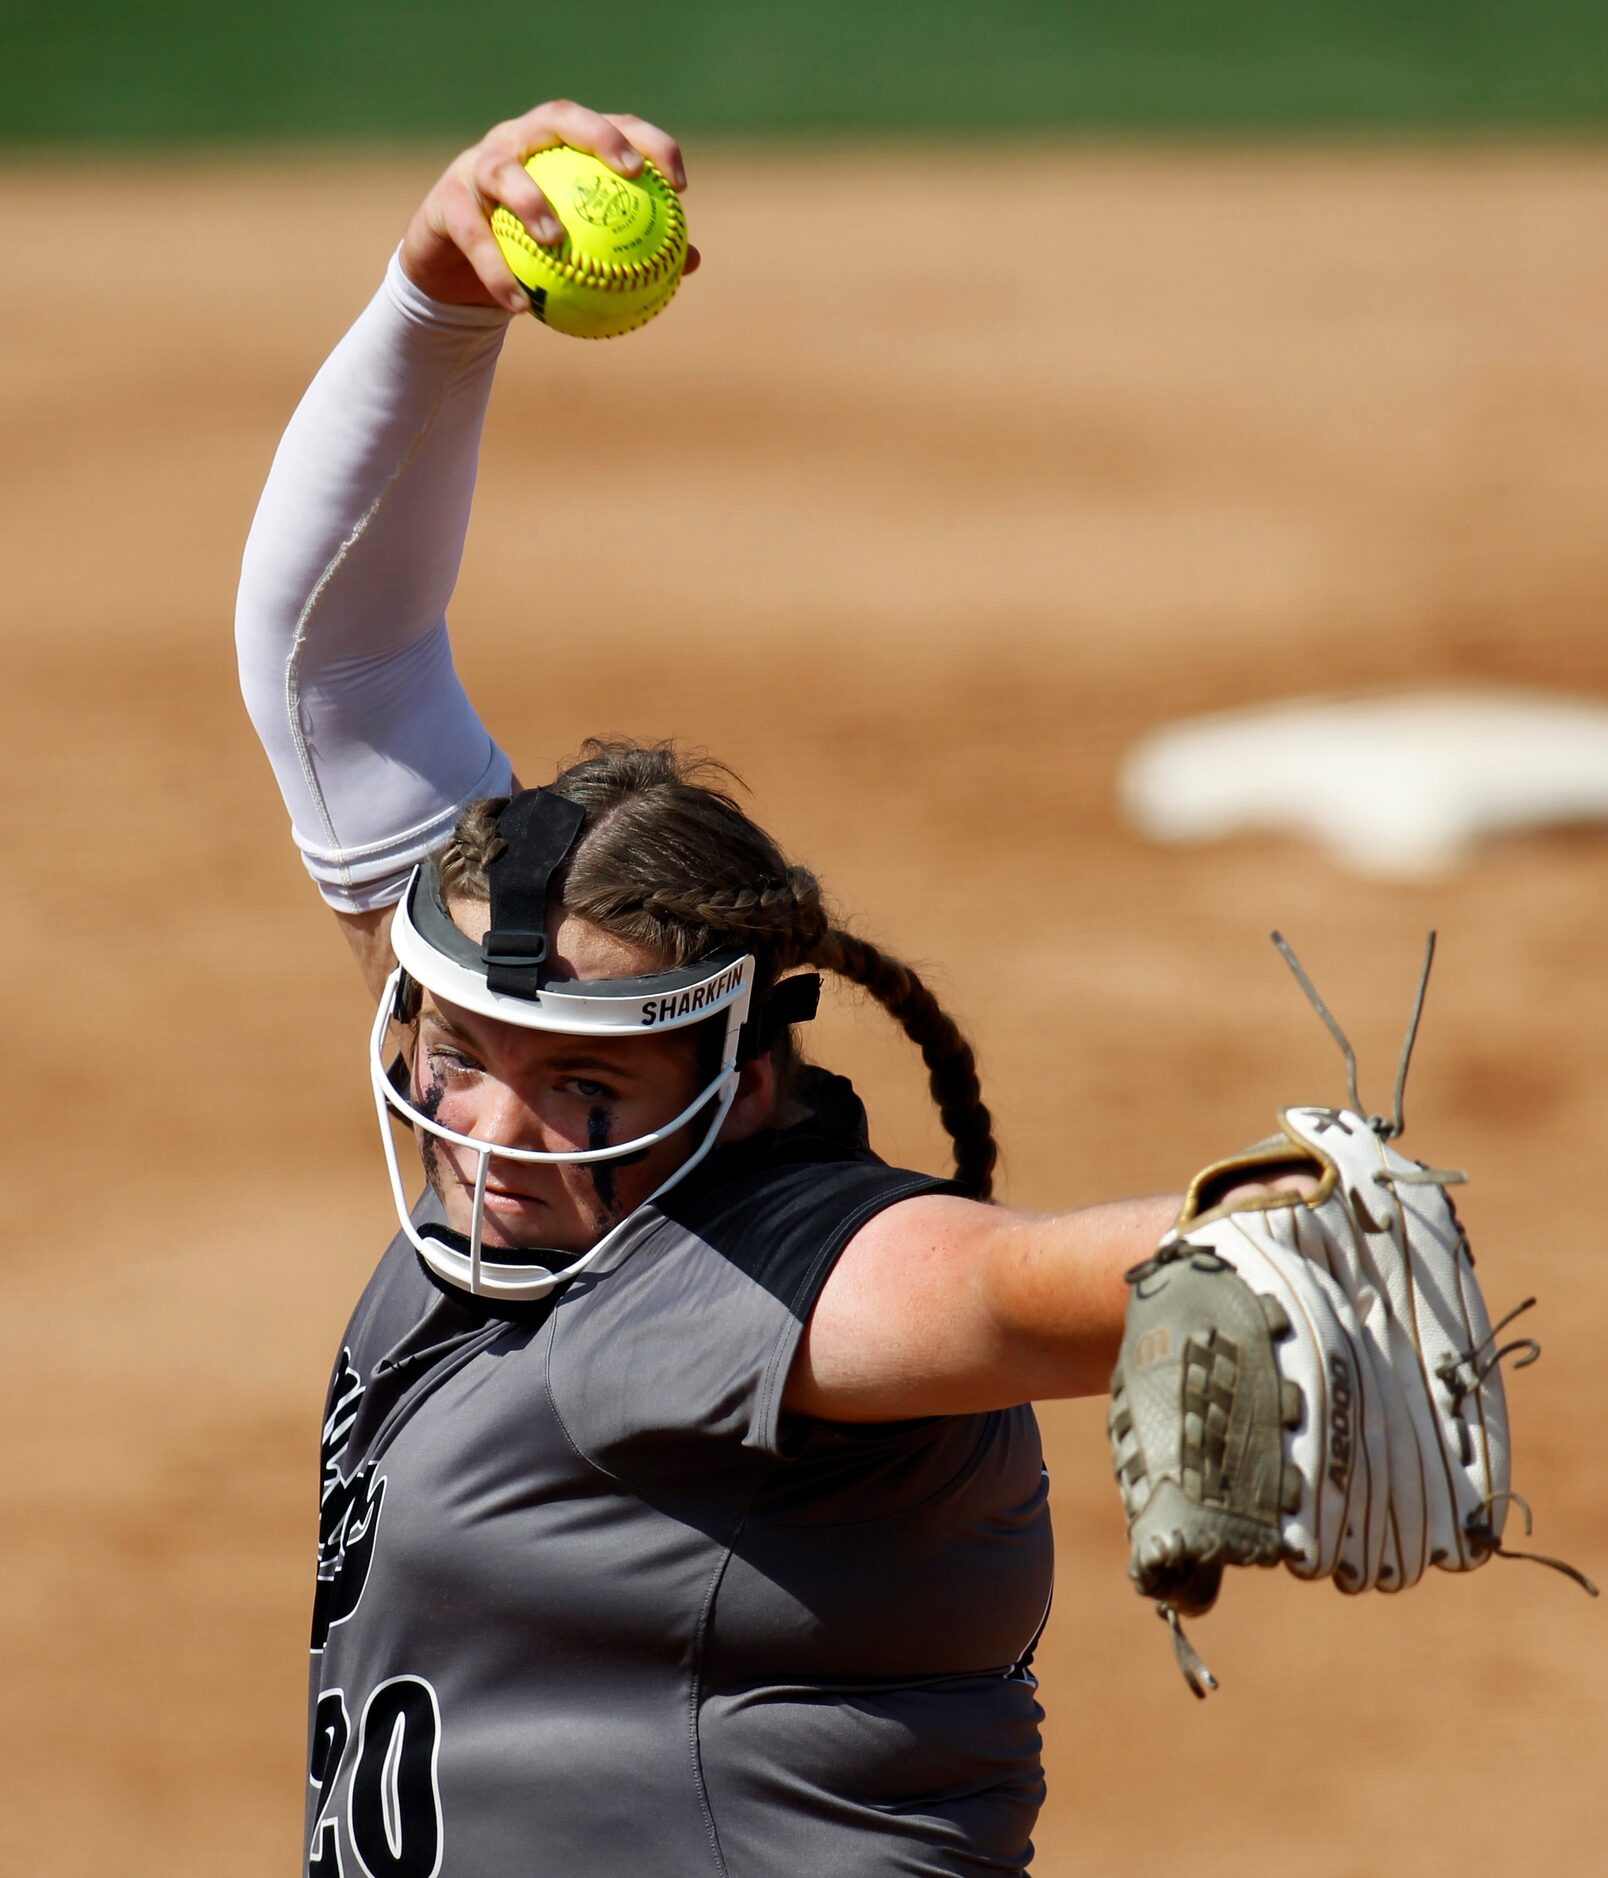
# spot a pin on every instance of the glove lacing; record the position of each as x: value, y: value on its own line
x: 1200, y: 1679
x: 1487, y: 1535
x: 1463, y: 1374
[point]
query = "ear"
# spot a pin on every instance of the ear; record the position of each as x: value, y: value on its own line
x: 751, y: 1107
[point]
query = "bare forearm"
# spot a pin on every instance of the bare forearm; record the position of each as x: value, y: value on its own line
x: 941, y: 1306
x: 1054, y: 1287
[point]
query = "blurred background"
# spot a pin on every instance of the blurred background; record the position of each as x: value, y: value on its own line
x: 1055, y: 374
x: 182, y: 71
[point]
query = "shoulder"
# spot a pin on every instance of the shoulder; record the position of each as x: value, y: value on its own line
x: 781, y: 1207
x: 688, y: 1334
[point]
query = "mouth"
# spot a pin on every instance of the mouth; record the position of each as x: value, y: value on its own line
x: 499, y: 1198
x: 506, y: 1199
x: 509, y: 1219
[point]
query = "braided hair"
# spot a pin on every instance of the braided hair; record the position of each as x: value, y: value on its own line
x: 667, y: 860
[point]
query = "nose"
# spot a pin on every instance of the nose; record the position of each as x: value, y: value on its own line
x: 504, y: 1119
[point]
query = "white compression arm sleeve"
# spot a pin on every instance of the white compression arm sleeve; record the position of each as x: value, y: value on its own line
x: 340, y: 625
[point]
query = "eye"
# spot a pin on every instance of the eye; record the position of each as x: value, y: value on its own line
x: 589, y: 1091
x: 453, y: 1063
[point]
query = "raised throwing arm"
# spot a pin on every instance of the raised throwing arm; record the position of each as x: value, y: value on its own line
x: 341, y: 619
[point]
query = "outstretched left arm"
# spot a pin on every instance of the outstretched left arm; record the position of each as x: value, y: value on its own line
x: 944, y: 1306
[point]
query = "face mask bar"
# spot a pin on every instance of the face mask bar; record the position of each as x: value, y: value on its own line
x: 524, y: 1277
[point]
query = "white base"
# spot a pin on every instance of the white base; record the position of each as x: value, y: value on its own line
x: 1404, y: 786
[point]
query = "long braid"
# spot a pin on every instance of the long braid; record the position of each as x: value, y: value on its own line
x: 951, y: 1064
x: 788, y: 915
x: 784, y: 915
x: 669, y: 861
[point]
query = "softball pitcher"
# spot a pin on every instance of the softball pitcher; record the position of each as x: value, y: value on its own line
x: 681, y: 1510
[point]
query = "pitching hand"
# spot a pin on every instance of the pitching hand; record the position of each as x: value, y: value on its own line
x: 449, y: 251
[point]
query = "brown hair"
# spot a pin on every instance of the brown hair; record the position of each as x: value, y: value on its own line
x: 667, y: 860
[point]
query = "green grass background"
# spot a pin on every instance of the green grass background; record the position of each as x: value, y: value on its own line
x: 175, y: 71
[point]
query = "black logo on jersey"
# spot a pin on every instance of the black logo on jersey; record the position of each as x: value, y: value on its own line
x: 348, y: 1511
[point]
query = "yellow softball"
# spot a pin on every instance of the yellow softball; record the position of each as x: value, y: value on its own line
x: 624, y: 246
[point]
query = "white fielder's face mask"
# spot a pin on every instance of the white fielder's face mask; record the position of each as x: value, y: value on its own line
x: 502, y: 977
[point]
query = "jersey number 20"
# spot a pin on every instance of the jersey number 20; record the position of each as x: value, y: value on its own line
x: 394, y: 1805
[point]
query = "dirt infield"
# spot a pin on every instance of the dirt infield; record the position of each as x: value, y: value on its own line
x: 919, y: 543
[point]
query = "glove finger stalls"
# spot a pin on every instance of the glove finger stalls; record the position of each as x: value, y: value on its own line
x: 1405, y: 1552
x: 1487, y: 1413
x: 1325, y: 1232
x: 1398, y: 1251
x: 1449, y: 1327
x: 1339, y: 1452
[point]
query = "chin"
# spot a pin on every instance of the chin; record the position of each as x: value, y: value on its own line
x: 509, y: 1230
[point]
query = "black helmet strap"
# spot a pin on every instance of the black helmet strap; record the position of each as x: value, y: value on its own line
x: 793, y: 1000
x: 538, y: 829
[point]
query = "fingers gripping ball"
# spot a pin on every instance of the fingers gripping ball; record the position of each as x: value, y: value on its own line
x: 624, y: 246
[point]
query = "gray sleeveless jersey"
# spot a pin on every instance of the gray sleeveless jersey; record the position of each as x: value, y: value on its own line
x: 589, y: 1603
